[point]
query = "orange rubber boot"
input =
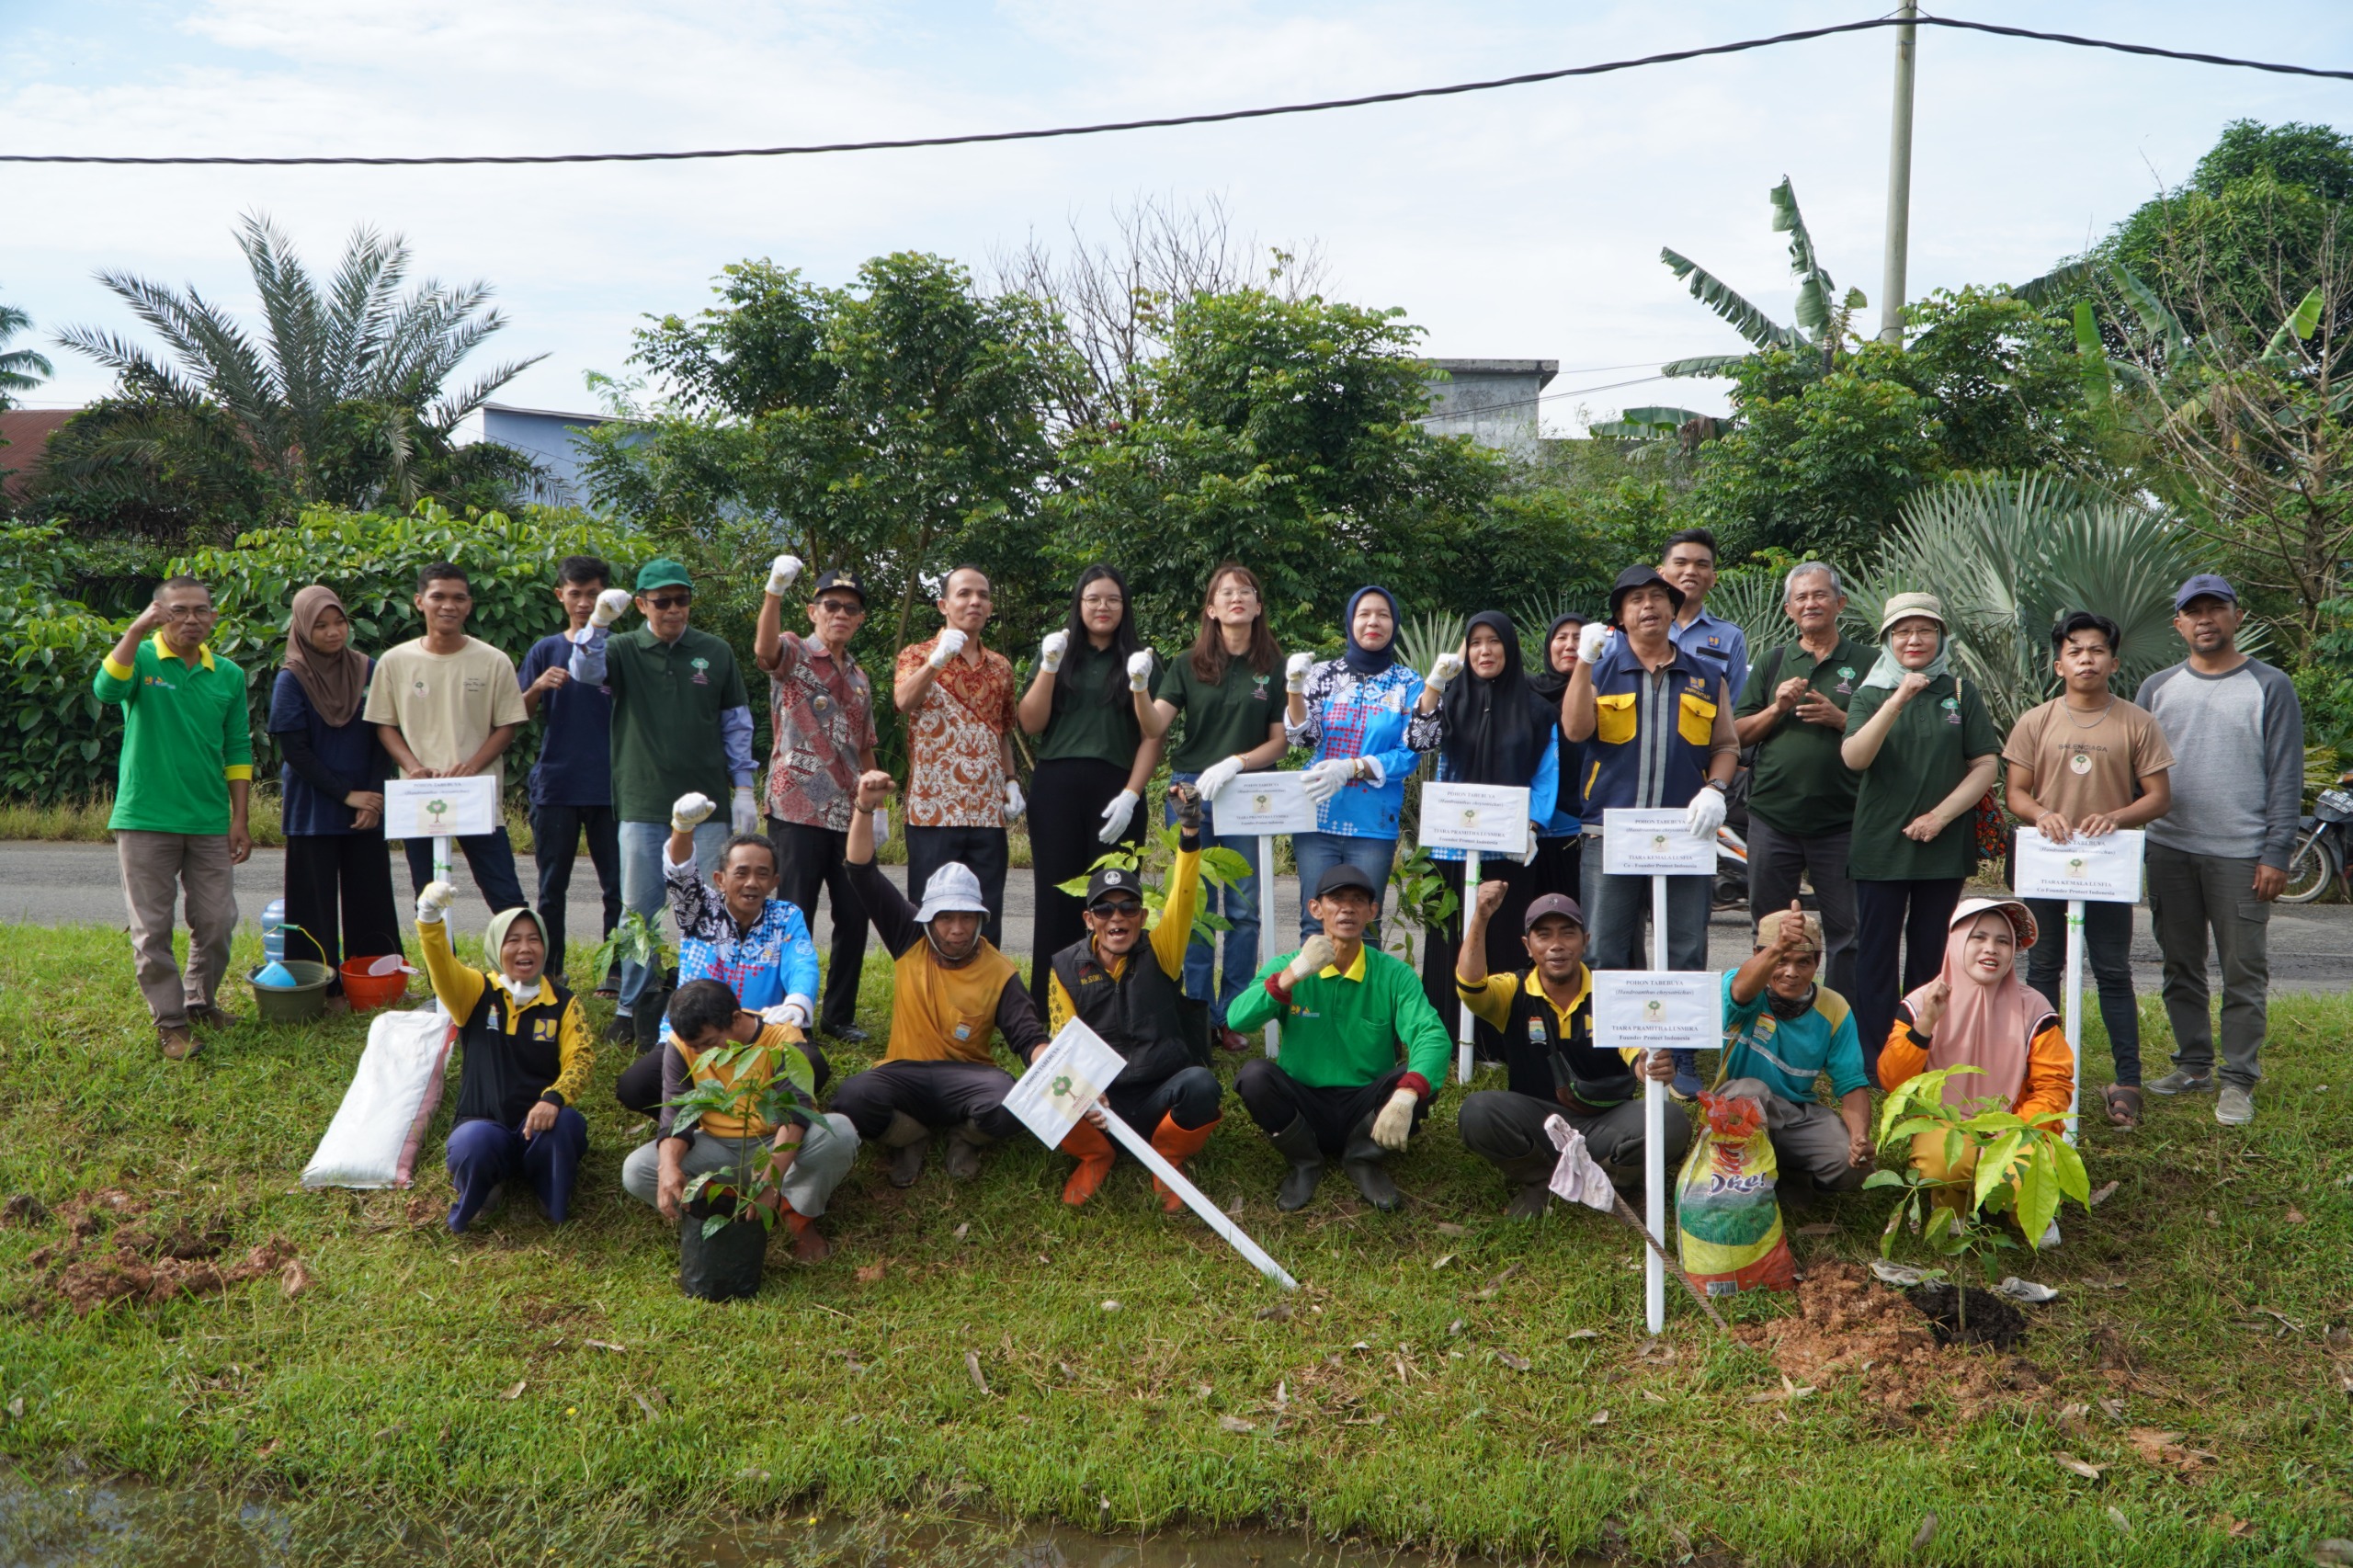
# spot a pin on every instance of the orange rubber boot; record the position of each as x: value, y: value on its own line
x: 1095, y: 1154
x: 1177, y: 1144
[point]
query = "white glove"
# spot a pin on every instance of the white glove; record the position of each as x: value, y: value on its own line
x: 433, y: 903
x: 1050, y: 651
x: 1295, y: 672
x: 1705, y: 813
x: 1140, y: 670
x: 1443, y: 669
x: 1527, y: 855
x: 781, y: 572
x: 1013, y: 801
x: 611, y: 604
x: 687, y: 811
x: 952, y: 643
x: 793, y: 1010
x: 1117, y: 815
x: 743, y: 811
x: 1591, y: 640
x: 1324, y: 779
x: 1395, y: 1122
x: 1314, y: 957
x: 1217, y: 775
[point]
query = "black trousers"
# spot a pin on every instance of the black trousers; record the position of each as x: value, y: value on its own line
x: 938, y: 1094
x: 1506, y: 953
x: 810, y: 858
x: 639, y: 1088
x: 980, y: 850
x: 1275, y: 1100
x: 1066, y: 800
x: 1560, y: 863
x: 348, y: 874
x: 1191, y: 1095
x: 489, y: 856
x: 1885, y: 913
x: 556, y: 833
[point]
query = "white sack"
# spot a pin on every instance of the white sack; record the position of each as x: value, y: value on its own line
x: 375, y: 1132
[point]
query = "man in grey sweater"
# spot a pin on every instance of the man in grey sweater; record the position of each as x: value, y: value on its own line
x: 2220, y: 858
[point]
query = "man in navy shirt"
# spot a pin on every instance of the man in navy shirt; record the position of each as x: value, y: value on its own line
x: 571, y: 784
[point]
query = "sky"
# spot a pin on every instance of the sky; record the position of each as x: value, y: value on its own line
x: 1520, y: 224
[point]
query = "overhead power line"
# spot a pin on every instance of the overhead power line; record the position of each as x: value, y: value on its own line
x: 1168, y: 121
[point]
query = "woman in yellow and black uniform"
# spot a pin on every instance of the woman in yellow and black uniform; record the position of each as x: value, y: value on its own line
x: 524, y: 1056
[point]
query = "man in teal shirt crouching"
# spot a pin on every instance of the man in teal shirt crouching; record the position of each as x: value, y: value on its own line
x: 1783, y: 1030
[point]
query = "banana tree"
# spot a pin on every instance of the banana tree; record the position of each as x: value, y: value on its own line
x: 1823, y: 313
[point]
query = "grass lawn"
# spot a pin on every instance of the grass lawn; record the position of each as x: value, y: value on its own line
x: 1445, y: 1378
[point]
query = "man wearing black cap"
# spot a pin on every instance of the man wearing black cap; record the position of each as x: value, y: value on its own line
x: 1345, y: 1011
x: 820, y: 707
x: 1134, y: 1001
x: 1658, y: 725
x: 1545, y: 1013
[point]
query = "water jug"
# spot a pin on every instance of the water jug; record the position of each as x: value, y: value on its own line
x: 273, y: 931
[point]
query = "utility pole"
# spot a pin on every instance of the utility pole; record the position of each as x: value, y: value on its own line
x: 1898, y: 181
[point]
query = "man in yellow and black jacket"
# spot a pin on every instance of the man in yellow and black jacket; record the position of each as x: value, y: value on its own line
x: 524, y: 1056
x: 1130, y: 992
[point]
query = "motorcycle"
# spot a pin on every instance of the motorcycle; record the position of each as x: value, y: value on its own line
x: 2324, y: 853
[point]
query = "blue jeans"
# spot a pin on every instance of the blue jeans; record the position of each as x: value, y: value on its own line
x: 1319, y: 852
x: 643, y: 846
x: 1240, y: 907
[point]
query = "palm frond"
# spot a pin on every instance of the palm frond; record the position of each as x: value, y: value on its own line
x: 1424, y: 637
x: 1751, y: 599
x: 1815, y: 290
x: 1703, y: 365
x: 2058, y: 283
x: 1736, y: 313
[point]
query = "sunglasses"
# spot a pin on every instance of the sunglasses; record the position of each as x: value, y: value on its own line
x: 668, y: 601
x: 841, y: 607
x: 1110, y: 907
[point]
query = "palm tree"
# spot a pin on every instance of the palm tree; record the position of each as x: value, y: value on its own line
x: 357, y: 353
x: 1822, y: 313
x: 21, y: 369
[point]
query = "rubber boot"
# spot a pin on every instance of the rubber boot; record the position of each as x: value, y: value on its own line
x: 907, y: 1137
x: 1531, y: 1175
x: 1297, y: 1144
x: 1094, y: 1152
x: 964, y: 1145
x: 1177, y: 1144
x: 1362, y: 1159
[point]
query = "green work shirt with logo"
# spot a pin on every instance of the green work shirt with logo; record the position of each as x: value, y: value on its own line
x: 1221, y: 721
x: 1094, y: 716
x: 667, y: 698
x: 1921, y: 762
x: 186, y: 734
x: 1798, y: 786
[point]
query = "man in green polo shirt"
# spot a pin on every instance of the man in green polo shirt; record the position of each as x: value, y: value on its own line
x: 682, y: 725
x: 1800, y: 796
x: 179, y: 802
x: 1346, y: 1011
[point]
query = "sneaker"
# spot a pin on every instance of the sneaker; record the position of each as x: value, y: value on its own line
x: 2181, y: 1080
x: 2234, y: 1107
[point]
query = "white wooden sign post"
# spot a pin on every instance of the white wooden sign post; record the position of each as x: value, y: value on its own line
x: 1656, y: 844
x: 2082, y: 870
x: 1477, y: 819
x: 1065, y: 1079
x: 441, y: 810
x: 1262, y: 805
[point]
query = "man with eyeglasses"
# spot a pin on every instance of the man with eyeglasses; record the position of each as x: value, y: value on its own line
x: 682, y: 725
x: 179, y: 803
x: 820, y: 707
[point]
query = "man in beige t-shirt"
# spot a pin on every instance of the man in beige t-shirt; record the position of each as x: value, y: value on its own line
x: 446, y: 706
x: 2087, y: 762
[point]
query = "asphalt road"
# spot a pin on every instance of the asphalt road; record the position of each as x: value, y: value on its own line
x: 65, y: 884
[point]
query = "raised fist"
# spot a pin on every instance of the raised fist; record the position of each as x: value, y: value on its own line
x: 689, y: 811
x: 1050, y: 651
x: 1314, y: 957
x: 781, y: 572
x: 433, y: 902
x: 1140, y: 670
x: 952, y: 643
x: 1295, y: 672
x: 611, y: 604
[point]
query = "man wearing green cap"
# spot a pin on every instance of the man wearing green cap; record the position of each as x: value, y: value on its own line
x: 682, y: 725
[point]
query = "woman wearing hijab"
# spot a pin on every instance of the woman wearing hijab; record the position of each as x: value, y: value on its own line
x: 1926, y: 752
x: 1978, y: 1013
x: 1352, y: 714
x: 1490, y: 727
x: 1560, y: 833
x: 333, y: 785
x: 1093, y: 759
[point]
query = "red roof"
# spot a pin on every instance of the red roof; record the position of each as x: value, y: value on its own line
x: 27, y: 431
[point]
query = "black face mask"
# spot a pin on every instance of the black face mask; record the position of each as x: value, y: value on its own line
x: 1788, y: 1011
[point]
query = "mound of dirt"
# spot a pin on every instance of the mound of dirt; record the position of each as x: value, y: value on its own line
x: 1848, y: 1325
x: 114, y: 1251
x: 1990, y: 1319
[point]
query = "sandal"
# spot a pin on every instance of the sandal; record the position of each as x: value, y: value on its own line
x: 2123, y: 1105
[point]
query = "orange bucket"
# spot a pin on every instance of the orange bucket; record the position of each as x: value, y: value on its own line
x: 364, y: 990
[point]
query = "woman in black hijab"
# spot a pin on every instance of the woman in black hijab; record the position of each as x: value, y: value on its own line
x: 1559, y: 839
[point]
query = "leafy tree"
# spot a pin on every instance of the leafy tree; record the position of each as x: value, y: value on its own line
x: 1823, y: 317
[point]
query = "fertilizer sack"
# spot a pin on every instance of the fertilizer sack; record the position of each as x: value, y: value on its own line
x: 373, y: 1139
x: 1728, y: 1224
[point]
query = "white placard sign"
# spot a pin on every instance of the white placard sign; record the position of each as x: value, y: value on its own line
x: 1262, y: 804
x: 2105, y: 869
x: 441, y: 808
x: 1654, y: 844
x: 1490, y: 818
x: 1063, y: 1080
x: 1653, y: 1009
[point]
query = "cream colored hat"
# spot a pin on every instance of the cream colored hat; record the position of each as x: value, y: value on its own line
x: 1768, y: 927
x: 1903, y: 607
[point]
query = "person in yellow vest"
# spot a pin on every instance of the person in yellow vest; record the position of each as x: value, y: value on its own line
x: 952, y: 993
x: 813, y: 1149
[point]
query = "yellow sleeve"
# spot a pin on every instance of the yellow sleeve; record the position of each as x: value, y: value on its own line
x: 458, y: 987
x: 2050, y: 1075
x: 1490, y: 1001
x: 237, y: 770
x: 1060, y: 1009
x: 1174, y: 932
x: 114, y: 671
x: 575, y: 1054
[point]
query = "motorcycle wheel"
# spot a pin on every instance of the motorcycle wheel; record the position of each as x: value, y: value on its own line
x: 2311, y: 870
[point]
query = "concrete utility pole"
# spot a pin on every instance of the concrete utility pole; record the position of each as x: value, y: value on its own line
x: 1899, y: 182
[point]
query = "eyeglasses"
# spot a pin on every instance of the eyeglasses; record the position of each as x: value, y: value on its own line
x: 1098, y: 601
x: 1118, y: 907
x: 668, y: 601
x: 841, y: 607
x: 190, y: 612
